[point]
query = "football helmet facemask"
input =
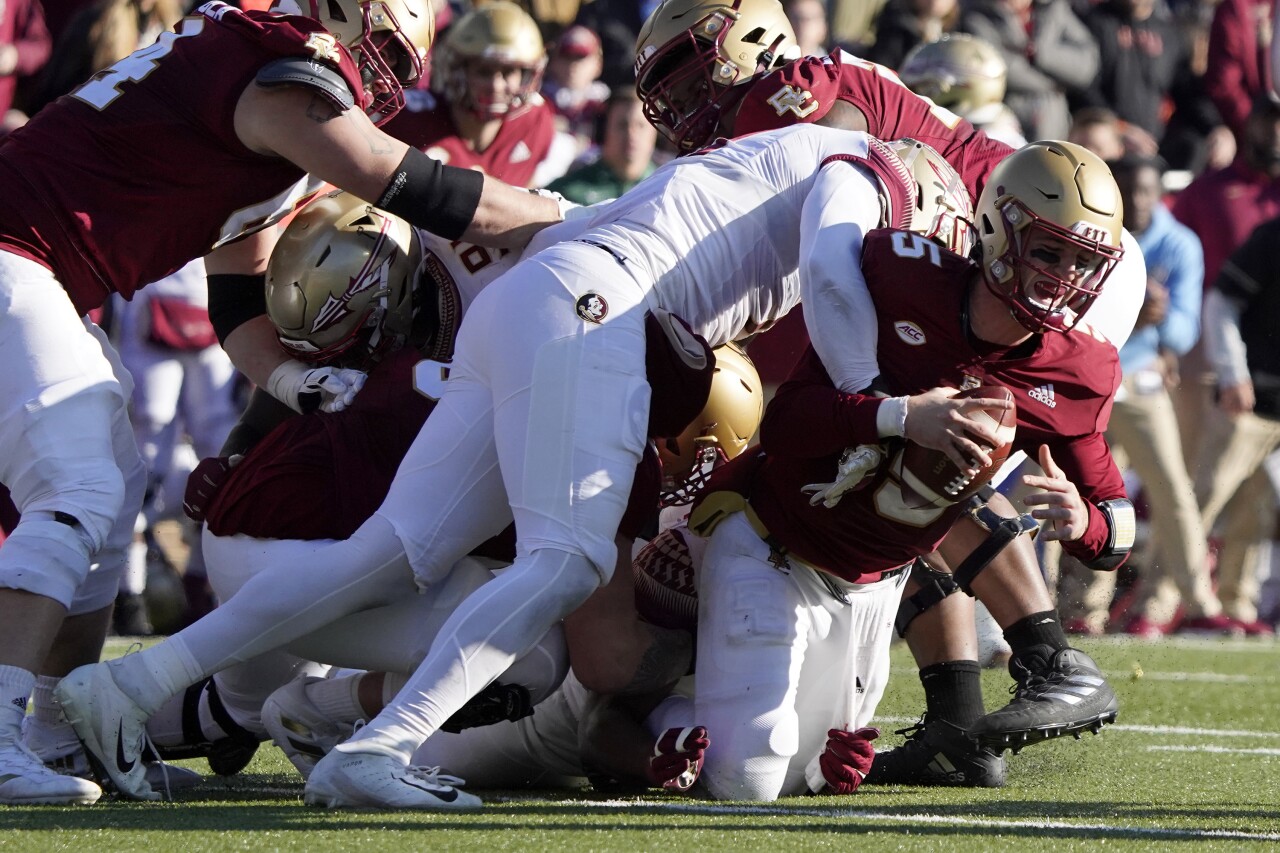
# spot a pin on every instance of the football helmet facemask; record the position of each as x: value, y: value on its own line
x: 1045, y: 206
x: 690, y: 55
x: 959, y: 72
x: 943, y: 210
x: 503, y: 35
x: 389, y: 40
x: 719, y: 433
x: 340, y: 282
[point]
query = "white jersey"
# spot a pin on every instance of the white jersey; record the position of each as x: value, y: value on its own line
x: 718, y: 233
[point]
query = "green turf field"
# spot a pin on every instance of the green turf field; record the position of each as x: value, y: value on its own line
x: 1193, y: 760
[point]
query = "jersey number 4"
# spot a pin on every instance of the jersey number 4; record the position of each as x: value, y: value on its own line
x: 104, y: 87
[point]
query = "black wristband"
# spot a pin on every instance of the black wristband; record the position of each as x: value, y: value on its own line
x: 235, y: 300
x: 427, y: 193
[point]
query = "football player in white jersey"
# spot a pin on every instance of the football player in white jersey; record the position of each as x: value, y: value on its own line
x: 402, y: 294
x: 545, y: 413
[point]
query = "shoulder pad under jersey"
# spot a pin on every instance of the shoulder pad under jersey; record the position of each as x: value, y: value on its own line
x: 301, y: 71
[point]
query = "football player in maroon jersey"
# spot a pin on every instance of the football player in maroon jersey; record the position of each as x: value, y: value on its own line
x: 483, y: 110
x: 709, y: 68
x: 1012, y: 320
x: 213, y: 133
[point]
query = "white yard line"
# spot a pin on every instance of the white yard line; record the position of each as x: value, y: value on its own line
x: 1099, y: 829
x: 1261, y: 750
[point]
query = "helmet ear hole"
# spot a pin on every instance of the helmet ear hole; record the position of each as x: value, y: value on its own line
x: 336, y: 12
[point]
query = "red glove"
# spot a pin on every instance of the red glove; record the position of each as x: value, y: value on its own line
x: 677, y: 758
x: 847, y: 759
x: 203, y: 484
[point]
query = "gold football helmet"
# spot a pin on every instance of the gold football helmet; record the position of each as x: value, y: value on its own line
x: 958, y: 71
x: 340, y: 282
x: 944, y: 210
x: 691, y: 53
x: 1062, y: 194
x: 389, y: 40
x: 501, y: 33
x: 721, y: 431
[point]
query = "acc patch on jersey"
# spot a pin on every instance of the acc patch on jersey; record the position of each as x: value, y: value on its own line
x: 592, y: 307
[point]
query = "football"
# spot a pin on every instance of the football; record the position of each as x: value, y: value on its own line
x: 930, y: 479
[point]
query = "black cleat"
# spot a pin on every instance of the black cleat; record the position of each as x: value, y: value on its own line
x: 1056, y: 694
x: 938, y: 753
x: 227, y: 756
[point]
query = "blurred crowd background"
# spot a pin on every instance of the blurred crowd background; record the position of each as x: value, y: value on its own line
x: 1175, y: 94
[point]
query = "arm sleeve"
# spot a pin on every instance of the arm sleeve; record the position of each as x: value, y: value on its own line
x: 842, y: 207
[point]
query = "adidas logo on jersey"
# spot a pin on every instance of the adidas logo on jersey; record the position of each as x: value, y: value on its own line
x: 1044, y: 394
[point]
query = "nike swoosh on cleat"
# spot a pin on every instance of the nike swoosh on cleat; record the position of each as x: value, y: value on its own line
x: 448, y: 795
x: 121, y: 764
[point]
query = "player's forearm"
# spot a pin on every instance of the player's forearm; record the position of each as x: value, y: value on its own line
x: 255, y: 350
x: 507, y: 217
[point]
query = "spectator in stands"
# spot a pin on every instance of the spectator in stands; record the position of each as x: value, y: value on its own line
x: 483, y: 110
x: 573, y: 86
x: 626, y: 154
x: 99, y: 35
x: 904, y: 24
x: 1195, y: 138
x: 1141, y: 50
x: 1223, y: 207
x: 24, y: 46
x: 1238, y: 69
x: 1049, y: 51
x: 809, y: 20
x: 1175, y: 569
x: 617, y: 23
x: 1244, y: 428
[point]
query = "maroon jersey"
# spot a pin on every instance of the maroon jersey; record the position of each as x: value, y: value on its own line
x: 522, y: 143
x: 1063, y: 386
x: 320, y: 476
x: 805, y: 90
x: 139, y: 170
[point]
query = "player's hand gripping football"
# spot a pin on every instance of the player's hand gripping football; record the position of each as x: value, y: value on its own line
x: 847, y: 759
x: 304, y: 389
x: 1058, y: 501
x: 677, y: 758
x: 938, y: 420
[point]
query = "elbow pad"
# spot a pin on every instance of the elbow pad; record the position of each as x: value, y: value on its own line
x: 427, y: 193
x: 1122, y: 530
x: 235, y: 300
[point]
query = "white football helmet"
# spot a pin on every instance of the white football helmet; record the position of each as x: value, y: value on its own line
x: 943, y: 211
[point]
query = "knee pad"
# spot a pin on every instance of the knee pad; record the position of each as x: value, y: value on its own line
x: 91, y: 491
x: 935, y: 585
x: 102, y: 583
x: 1000, y: 532
x: 45, y: 556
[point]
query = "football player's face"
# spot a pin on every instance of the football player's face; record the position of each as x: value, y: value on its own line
x: 1063, y: 261
x: 493, y: 83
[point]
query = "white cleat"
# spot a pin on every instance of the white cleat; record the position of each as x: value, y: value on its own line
x: 111, y: 725
x: 25, y: 781
x: 62, y: 752
x: 367, y: 780
x: 297, y: 726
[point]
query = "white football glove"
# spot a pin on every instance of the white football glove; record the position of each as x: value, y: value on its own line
x: 305, y: 389
x: 856, y: 463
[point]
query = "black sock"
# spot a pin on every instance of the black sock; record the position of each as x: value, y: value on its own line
x: 953, y: 691
x: 1038, y: 629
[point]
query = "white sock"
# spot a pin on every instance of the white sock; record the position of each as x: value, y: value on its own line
x: 151, y: 677
x: 44, y: 706
x: 16, y: 686
x: 338, y: 699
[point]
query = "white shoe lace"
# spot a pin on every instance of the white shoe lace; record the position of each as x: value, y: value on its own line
x: 432, y: 776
